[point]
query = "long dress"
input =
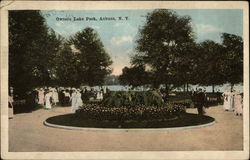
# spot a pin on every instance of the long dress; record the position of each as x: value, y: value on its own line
x: 79, y: 100
x: 101, y: 95
x: 11, y: 109
x: 41, y: 97
x: 104, y: 90
x: 74, y: 102
x: 55, y: 97
x: 47, y: 100
x: 238, y: 104
x: 231, y: 101
x: 226, y: 101
x: 98, y: 95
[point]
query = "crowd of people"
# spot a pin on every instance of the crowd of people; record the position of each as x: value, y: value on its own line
x: 232, y: 100
x: 75, y: 97
x: 53, y: 96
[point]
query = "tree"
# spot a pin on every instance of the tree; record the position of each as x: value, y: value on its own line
x: 161, y: 43
x: 210, y: 63
x: 31, y: 49
x: 233, y: 58
x: 111, y: 80
x: 67, y: 67
x: 134, y: 76
x: 93, y: 60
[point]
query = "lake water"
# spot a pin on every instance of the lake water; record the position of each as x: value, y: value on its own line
x: 208, y: 88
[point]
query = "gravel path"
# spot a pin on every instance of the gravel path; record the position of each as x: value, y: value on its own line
x: 28, y: 134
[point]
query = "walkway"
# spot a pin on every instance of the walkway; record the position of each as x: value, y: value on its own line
x: 28, y: 134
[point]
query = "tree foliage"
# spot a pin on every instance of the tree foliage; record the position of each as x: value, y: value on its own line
x: 93, y: 62
x: 209, y: 69
x: 233, y: 59
x: 32, y: 46
x: 162, y: 44
x: 134, y: 76
x: 40, y: 57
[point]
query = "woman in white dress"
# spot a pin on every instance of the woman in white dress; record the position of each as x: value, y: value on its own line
x: 55, y: 96
x: 73, y: 99
x: 11, y: 108
x: 47, y: 100
x: 79, y: 99
x: 41, y: 96
x: 231, y: 100
x: 101, y: 95
x: 98, y: 95
x: 226, y: 100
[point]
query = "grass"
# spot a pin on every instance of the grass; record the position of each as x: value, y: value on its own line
x: 186, y: 119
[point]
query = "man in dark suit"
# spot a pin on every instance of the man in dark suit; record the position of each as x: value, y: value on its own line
x: 200, y: 99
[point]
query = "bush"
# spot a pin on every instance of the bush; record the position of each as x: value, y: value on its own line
x: 132, y: 98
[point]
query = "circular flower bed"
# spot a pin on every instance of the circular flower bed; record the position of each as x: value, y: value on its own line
x: 184, y: 120
x: 131, y: 110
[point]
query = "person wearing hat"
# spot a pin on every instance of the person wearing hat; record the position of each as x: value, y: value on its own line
x: 238, y: 107
x: 11, y: 108
x: 78, y: 99
x: 200, y: 99
x: 55, y: 96
x: 41, y: 96
x: 228, y: 99
x: 73, y: 100
x: 47, y: 99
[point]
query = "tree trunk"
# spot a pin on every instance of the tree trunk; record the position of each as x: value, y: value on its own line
x: 213, y: 88
x: 187, y: 87
x: 166, y: 89
x: 232, y: 86
x: 184, y: 88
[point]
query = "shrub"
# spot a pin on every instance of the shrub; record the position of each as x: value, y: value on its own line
x: 132, y: 98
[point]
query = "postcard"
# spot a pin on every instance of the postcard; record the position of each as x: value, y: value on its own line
x: 124, y: 80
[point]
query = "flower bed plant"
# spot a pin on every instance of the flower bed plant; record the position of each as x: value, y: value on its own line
x: 123, y: 113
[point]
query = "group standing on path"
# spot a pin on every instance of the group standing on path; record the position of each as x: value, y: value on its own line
x: 233, y: 101
x: 73, y: 97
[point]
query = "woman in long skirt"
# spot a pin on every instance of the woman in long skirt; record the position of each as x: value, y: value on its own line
x: 11, y: 108
x: 41, y: 96
x: 47, y: 100
x: 73, y: 99
x: 55, y: 96
x: 238, y: 110
x: 226, y: 105
x: 79, y: 98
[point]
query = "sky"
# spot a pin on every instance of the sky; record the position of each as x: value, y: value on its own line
x: 118, y: 36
